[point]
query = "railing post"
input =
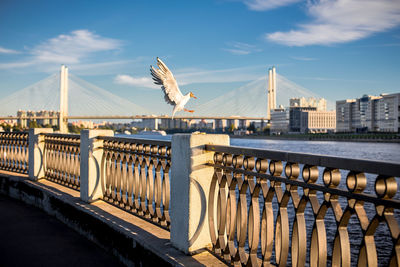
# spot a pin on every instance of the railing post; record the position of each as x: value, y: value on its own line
x: 190, y: 185
x: 90, y: 164
x: 36, y: 152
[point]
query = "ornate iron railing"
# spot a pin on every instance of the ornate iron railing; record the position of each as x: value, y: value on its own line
x: 136, y: 177
x: 62, y: 159
x: 280, y: 208
x: 14, y: 154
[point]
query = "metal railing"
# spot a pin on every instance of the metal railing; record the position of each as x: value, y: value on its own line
x: 136, y: 177
x: 14, y: 154
x: 280, y: 208
x: 62, y: 159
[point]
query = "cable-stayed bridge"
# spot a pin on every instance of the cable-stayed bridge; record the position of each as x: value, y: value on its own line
x: 87, y: 101
x: 84, y: 98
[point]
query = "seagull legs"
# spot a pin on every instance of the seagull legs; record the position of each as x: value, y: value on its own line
x: 188, y: 110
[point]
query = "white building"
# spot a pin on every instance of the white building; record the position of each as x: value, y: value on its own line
x: 313, y: 121
x: 369, y: 114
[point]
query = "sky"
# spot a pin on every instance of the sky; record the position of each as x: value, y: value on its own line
x: 338, y: 49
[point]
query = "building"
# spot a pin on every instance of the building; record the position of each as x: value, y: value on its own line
x: 54, y: 117
x: 232, y: 123
x: 388, y: 113
x: 204, y: 124
x: 318, y: 103
x: 83, y: 124
x: 314, y: 121
x: 150, y: 123
x: 279, y: 122
x: 311, y: 120
x: 244, y: 124
x: 44, y: 120
x: 309, y: 115
x: 43, y: 117
x: 168, y: 123
x: 22, y: 120
x: 295, y: 114
x: 146, y: 123
x: 369, y: 114
x: 220, y: 124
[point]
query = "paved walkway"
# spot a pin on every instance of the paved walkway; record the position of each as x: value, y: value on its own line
x: 30, y: 237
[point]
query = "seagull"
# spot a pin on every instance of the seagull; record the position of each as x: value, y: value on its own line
x: 173, y: 96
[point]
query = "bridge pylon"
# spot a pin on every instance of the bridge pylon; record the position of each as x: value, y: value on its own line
x: 63, y: 119
x: 271, y: 91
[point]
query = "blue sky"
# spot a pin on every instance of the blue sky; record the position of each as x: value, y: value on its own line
x: 337, y: 49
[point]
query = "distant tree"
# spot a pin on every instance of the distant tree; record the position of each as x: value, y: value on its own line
x: 33, y: 124
x: 232, y: 128
x: 252, y: 127
x: 74, y: 129
x: 6, y: 127
x: 17, y: 128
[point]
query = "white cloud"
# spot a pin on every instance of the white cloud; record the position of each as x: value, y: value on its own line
x: 340, y: 21
x: 73, y: 47
x: 8, y: 51
x: 238, y: 48
x: 262, y: 5
x: 146, y: 82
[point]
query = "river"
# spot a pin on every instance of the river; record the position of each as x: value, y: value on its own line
x: 358, y: 150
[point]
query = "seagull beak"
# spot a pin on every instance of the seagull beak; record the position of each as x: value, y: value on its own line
x: 192, y: 95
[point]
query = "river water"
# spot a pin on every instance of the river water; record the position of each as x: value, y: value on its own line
x: 359, y: 150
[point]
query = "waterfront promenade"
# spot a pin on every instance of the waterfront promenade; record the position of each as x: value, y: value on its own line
x: 195, y: 200
x: 30, y: 237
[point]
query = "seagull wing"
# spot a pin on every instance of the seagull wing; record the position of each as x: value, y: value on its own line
x: 163, y: 76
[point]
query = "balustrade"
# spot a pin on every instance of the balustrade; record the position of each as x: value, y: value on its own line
x: 62, y: 159
x: 14, y: 152
x: 256, y: 207
x: 279, y: 208
x: 136, y: 176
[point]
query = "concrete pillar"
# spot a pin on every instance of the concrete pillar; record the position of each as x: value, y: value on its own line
x: 90, y: 166
x: 36, y: 152
x: 190, y: 184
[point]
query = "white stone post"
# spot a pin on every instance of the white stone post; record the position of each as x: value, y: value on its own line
x: 90, y: 166
x: 190, y: 185
x: 36, y: 152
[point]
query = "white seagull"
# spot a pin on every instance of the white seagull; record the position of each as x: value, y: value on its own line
x: 163, y: 76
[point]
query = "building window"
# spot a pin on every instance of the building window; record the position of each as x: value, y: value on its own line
x: 386, y: 108
x: 342, y: 111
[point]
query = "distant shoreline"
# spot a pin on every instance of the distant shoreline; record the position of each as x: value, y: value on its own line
x: 317, y: 138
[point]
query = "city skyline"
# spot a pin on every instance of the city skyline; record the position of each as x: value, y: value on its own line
x: 336, y: 49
